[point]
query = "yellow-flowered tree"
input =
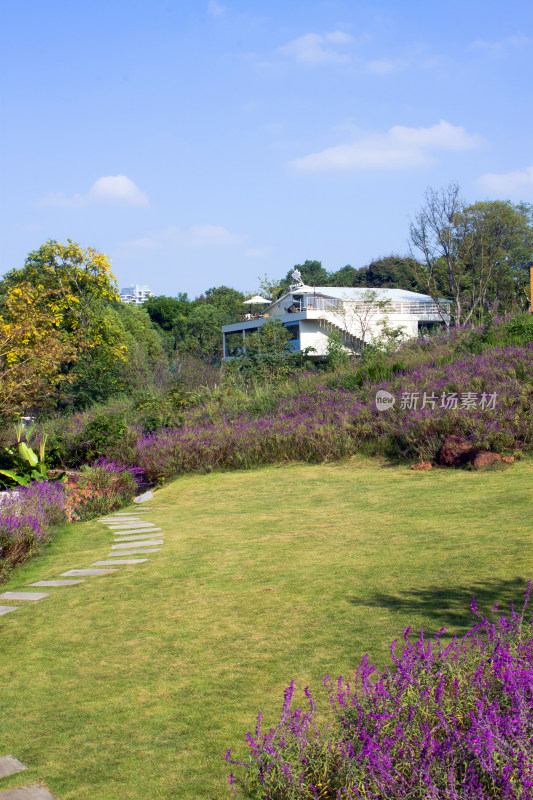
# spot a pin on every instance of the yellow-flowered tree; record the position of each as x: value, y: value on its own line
x: 59, y: 327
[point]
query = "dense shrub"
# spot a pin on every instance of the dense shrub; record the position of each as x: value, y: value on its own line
x: 103, y: 487
x: 444, y: 722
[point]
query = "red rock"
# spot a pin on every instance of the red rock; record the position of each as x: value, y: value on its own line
x: 485, y: 459
x: 456, y: 450
x: 422, y: 466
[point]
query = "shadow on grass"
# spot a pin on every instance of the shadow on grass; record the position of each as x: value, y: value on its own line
x: 449, y: 606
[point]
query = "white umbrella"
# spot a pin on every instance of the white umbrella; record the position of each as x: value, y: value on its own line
x: 255, y: 300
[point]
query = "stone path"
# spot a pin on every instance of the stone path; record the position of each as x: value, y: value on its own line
x: 23, y: 595
x: 120, y: 525
x: 36, y: 791
x: 9, y: 766
x: 56, y: 583
x: 134, y: 536
x: 133, y: 552
x: 119, y: 561
x: 7, y: 609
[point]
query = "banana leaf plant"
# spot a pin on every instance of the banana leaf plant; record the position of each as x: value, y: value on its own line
x: 27, y: 465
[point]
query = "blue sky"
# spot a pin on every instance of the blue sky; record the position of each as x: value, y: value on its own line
x: 208, y: 143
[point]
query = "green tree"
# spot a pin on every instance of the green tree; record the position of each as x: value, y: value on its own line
x: 270, y: 339
x: 475, y: 255
x: 496, y: 246
x: 227, y: 300
x: 313, y: 274
x: 167, y: 312
x: 203, y: 333
x: 345, y: 276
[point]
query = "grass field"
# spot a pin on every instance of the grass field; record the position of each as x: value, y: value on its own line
x: 132, y: 685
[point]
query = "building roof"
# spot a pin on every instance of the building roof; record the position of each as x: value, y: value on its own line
x: 358, y: 293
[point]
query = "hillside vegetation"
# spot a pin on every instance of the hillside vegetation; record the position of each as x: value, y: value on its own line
x: 472, y: 382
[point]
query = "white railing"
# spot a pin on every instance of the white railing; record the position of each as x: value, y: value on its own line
x: 312, y: 303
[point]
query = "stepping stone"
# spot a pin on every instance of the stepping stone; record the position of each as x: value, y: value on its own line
x: 56, y: 583
x: 125, y: 545
x: 141, y: 531
x: 34, y: 792
x: 142, y: 498
x: 119, y: 561
x: 7, y: 609
x: 23, y: 595
x: 133, y: 552
x: 131, y: 525
x: 88, y: 571
x: 10, y: 765
x: 129, y: 513
x: 140, y: 536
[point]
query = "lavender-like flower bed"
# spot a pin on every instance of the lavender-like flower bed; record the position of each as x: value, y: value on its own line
x: 330, y: 423
x: 26, y: 520
x: 445, y: 722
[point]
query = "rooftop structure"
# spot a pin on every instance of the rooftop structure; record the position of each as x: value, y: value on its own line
x: 310, y: 313
x: 135, y: 294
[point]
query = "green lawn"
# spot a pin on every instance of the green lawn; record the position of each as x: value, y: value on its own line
x: 134, y: 684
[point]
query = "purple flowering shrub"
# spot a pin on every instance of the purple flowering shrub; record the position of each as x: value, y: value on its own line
x: 26, y: 519
x: 103, y: 487
x: 331, y: 423
x: 444, y: 722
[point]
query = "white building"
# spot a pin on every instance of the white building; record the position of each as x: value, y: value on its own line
x: 135, y: 294
x: 311, y: 312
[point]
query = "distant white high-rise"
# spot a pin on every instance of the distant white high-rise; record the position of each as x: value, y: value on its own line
x: 135, y: 294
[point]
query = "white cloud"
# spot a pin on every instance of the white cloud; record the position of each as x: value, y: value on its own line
x: 201, y: 235
x: 215, y: 9
x: 384, y: 66
x: 116, y: 189
x: 504, y: 45
x: 399, y: 148
x: 315, y: 48
x: 109, y: 190
x: 508, y: 184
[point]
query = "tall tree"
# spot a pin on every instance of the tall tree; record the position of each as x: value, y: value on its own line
x: 434, y: 235
x: 496, y: 246
x: 70, y: 280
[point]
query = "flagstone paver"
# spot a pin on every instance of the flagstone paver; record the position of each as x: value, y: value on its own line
x: 134, y: 529
x: 125, y: 545
x: 131, y: 525
x: 36, y: 791
x: 133, y: 552
x: 7, y: 609
x: 23, y: 595
x: 142, y: 498
x: 144, y: 536
x: 119, y: 561
x: 57, y: 583
x: 9, y: 765
x: 88, y: 571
